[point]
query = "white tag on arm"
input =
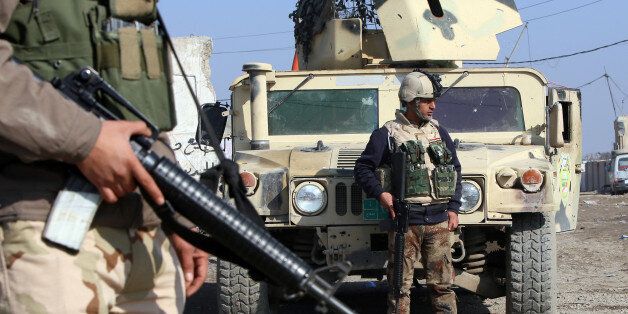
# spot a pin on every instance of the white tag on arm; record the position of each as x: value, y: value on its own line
x: 72, y: 213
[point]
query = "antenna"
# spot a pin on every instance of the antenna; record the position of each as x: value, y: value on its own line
x: 525, y: 27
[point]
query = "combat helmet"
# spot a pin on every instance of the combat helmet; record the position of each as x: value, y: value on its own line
x: 419, y: 84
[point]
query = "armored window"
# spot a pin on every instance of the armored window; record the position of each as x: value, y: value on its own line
x: 566, y: 121
x: 337, y: 111
x: 480, y: 109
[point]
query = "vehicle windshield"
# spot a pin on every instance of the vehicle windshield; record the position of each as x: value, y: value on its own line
x: 480, y: 109
x: 622, y: 164
x: 347, y: 111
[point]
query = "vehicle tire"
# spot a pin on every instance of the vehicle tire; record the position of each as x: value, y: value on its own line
x: 238, y: 292
x: 532, y: 264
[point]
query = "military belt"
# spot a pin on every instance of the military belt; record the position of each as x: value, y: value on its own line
x: 427, y: 209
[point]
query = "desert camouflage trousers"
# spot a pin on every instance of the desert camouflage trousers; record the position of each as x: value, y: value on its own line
x: 431, y: 244
x: 115, y: 271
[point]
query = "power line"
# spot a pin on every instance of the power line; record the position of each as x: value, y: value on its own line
x: 533, y: 5
x: 556, y: 57
x: 593, y: 81
x: 286, y: 32
x: 561, y: 12
x: 253, y: 50
x: 616, y: 85
x: 251, y: 35
x: 530, y: 61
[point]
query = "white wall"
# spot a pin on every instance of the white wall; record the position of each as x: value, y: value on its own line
x: 194, y: 53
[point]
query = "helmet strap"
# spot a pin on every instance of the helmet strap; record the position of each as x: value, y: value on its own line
x: 423, y: 120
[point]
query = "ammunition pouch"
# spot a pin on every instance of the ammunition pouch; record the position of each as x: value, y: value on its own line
x: 439, y: 153
x: 444, y: 174
x: 417, y: 175
x: 444, y: 181
x: 136, y: 63
x: 59, y: 37
x: 417, y: 182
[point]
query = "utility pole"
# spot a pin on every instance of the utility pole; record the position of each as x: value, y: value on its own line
x: 610, y: 91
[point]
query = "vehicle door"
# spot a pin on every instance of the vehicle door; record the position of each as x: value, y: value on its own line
x: 568, y: 159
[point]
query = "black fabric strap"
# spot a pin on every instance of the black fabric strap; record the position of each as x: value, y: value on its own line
x: 202, y: 241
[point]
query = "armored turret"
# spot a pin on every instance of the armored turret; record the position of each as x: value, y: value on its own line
x: 356, y: 34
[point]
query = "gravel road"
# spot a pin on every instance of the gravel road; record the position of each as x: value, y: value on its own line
x: 592, y: 272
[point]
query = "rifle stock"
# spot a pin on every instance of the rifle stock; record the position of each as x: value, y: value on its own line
x: 229, y: 227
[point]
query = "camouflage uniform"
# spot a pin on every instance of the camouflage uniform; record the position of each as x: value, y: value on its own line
x: 117, y: 270
x: 432, y: 190
x: 431, y: 244
x: 126, y: 263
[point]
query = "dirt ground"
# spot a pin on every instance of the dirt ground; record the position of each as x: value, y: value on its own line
x: 592, y: 271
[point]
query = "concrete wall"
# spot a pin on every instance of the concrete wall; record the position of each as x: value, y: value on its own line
x: 595, y: 176
x: 194, y: 53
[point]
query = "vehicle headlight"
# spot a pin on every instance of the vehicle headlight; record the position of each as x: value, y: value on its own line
x: 471, y: 197
x: 310, y: 198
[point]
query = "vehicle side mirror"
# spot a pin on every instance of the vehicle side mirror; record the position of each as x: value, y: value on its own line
x: 217, y: 115
x: 556, y: 126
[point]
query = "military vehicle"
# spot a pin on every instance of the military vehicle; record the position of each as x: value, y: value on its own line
x: 297, y: 135
x: 618, y: 166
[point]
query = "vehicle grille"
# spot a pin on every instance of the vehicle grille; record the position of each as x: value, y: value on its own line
x: 356, y: 199
x: 347, y: 158
x: 348, y: 198
x: 341, y: 199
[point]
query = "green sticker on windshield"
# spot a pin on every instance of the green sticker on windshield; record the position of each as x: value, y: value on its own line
x: 372, y: 210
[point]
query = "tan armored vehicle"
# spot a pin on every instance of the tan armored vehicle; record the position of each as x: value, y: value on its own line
x: 297, y: 134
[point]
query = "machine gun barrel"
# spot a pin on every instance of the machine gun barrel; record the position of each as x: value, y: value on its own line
x: 227, y: 225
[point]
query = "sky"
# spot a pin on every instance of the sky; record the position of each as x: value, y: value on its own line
x: 555, y: 27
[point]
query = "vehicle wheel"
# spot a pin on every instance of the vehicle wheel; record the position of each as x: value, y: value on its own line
x: 238, y: 292
x: 532, y: 264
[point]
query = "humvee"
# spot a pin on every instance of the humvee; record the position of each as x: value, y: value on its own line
x: 297, y: 134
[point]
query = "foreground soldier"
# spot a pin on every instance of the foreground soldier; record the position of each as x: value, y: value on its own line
x: 126, y: 262
x: 433, y: 203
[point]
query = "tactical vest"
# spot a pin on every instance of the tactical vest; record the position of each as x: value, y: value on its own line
x: 430, y: 173
x: 57, y: 37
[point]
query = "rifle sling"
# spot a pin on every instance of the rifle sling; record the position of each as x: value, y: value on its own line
x: 203, y: 242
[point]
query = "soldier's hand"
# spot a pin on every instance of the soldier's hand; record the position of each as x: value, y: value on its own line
x: 453, y: 220
x: 193, y: 261
x: 386, y: 200
x: 112, y: 166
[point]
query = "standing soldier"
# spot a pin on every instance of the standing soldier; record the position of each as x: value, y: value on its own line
x: 126, y: 262
x: 432, y: 190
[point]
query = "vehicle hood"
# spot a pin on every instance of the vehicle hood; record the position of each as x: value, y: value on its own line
x: 476, y: 159
x: 485, y: 159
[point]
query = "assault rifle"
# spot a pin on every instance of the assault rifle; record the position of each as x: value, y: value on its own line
x: 402, y: 212
x: 232, y: 232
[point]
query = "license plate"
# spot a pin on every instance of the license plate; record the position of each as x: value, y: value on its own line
x: 372, y: 210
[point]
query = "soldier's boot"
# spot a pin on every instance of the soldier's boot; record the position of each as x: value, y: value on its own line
x: 443, y: 299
